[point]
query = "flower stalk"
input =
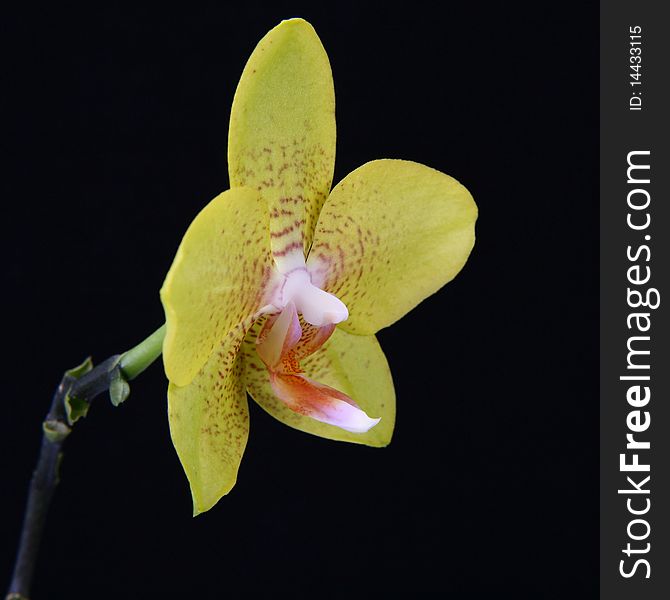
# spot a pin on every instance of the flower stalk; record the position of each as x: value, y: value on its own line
x: 137, y: 359
x: 70, y: 402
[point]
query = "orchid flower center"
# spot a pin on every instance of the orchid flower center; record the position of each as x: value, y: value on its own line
x: 318, y: 308
x: 284, y: 341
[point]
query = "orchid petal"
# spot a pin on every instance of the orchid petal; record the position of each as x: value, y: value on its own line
x: 209, y: 424
x: 390, y: 234
x: 352, y: 365
x: 282, y: 134
x: 217, y: 280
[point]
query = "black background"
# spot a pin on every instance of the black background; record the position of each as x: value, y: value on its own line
x: 114, y: 129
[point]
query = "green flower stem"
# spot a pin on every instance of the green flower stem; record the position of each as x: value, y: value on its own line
x: 137, y: 359
x: 82, y: 385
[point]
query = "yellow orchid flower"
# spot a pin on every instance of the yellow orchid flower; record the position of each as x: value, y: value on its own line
x: 280, y: 284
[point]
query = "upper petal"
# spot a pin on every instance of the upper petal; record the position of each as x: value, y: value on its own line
x: 390, y: 234
x: 217, y: 281
x: 282, y: 134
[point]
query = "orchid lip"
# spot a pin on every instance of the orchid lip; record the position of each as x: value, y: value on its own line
x: 281, y: 344
x: 318, y: 307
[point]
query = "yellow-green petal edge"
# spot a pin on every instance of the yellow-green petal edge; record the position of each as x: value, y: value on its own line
x: 282, y: 132
x: 209, y: 425
x: 216, y: 282
x: 352, y: 364
x: 391, y: 233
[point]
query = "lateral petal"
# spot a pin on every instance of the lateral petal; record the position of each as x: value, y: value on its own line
x: 217, y: 282
x: 390, y: 234
x: 282, y: 134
